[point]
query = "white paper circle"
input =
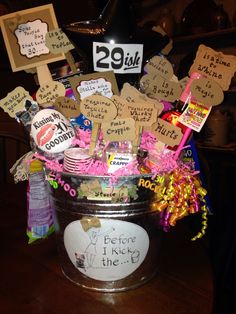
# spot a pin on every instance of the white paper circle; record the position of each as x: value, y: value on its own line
x: 108, y: 253
x: 51, y: 131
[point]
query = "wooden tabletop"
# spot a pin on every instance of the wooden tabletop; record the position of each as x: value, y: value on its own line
x: 32, y: 281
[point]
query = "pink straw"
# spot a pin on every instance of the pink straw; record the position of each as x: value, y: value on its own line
x: 182, y: 143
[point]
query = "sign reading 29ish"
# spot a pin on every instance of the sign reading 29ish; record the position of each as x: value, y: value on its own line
x: 121, y: 58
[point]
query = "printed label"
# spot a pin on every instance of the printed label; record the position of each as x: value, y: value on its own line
x: 116, y: 161
x: 121, y: 58
x: 102, y: 191
x: 194, y: 116
x: 51, y: 131
x: 105, y: 249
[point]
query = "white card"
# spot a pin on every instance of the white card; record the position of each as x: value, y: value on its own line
x: 121, y: 58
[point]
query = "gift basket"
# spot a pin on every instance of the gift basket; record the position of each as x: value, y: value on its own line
x: 112, y: 166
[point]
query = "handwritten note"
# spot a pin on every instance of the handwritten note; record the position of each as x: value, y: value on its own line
x: 67, y: 106
x: 92, y: 83
x: 167, y: 133
x: 119, y: 130
x: 144, y: 114
x: 214, y: 65
x: 207, y: 92
x: 98, y: 108
x: 90, y: 87
x: 160, y: 88
x: 161, y: 66
x: 57, y: 41
x: 31, y: 38
x: 15, y: 101
x: 49, y: 92
x: 130, y: 94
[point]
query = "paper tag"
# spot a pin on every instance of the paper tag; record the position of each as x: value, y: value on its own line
x: 108, y: 251
x: 160, y: 88
x: 143, y: 113
x: 49, y: 92
x: 104, y: 83
x: 161, y: 66
x: 207, y: 92
x: 15, y: 101
x: 31, y: 38
x: 194, y: 116
x: 121, y: 105
x: 57, y: 41
x: 214, y: 65
x: 131, y: 94
x: 167, y: 133
x: 98, y: 108
x: 121, y: 58
x: 67, y: 106
x: 119, y: 130
x: 90, y: 87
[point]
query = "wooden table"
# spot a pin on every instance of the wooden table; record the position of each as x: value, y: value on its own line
x: 32, y: 281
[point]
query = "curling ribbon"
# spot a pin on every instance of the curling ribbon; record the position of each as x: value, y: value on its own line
x: 182, y: 196
x: 204, y: 224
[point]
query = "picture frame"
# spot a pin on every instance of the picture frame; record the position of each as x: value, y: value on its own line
x: 23, y: 33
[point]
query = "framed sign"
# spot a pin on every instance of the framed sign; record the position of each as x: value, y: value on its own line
x: 24, y: 36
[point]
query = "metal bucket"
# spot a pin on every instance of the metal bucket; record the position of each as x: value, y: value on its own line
x: 109, y: 239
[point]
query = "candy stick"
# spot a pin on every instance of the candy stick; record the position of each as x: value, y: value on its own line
x: 71, y: 62
x: 94, y: 137
x: 182, y: 143
x: 137, y: 140
x: 44, y: 75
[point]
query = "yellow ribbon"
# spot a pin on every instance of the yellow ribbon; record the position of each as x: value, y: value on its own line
x: 90, y: 222
x: 204, y: 224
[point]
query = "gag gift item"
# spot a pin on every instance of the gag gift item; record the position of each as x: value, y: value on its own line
x: 117, y: 186
x: 51, y: 131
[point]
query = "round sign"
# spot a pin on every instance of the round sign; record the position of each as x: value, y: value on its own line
x: 106, y: 250
x: 51, y: 131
